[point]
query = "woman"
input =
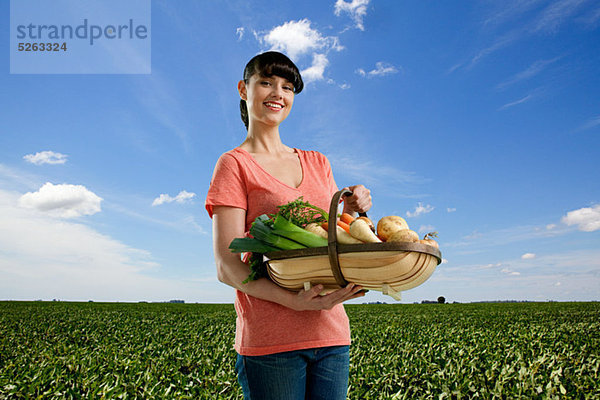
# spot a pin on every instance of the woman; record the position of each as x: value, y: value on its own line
x: 290, y: 345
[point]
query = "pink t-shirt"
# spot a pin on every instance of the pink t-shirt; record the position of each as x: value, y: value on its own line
x: 264, y: 327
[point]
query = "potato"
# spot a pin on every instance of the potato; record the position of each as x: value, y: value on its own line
x: 404, y: 235
x: 390, y: 224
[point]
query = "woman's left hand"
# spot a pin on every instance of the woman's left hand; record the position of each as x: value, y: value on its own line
x: 360, y: 201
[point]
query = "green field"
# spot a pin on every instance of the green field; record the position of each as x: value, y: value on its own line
x: 433, y: 351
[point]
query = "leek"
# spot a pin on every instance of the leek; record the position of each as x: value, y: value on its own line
x: 243, y: 245
x: 283, y: 227
x: 263, y: 232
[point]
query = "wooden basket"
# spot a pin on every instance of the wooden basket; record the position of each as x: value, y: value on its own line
x: 387, y: 267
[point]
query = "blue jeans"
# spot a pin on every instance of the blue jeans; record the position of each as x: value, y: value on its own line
x: 320, y: 373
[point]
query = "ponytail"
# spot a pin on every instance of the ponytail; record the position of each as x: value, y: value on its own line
x: 244, y: 113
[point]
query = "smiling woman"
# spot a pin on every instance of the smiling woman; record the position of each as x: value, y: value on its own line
x: 269, y: 99
x: 278, y: 358
x: 269, y: 66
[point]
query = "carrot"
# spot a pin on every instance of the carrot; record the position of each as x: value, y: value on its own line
x: 341, y: 224
x: 344, y: 226
x: 347, y: 218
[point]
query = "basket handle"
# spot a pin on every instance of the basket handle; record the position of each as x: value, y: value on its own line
x: 332, y: 249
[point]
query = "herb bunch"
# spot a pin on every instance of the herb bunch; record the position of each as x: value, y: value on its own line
x: 302, y: 213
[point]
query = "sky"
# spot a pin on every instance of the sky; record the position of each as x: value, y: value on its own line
x: 479, y: 120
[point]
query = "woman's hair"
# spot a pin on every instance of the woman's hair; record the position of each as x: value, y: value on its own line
x: 268, y: 64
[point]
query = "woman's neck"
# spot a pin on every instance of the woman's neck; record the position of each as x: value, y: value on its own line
x: 264, y: 140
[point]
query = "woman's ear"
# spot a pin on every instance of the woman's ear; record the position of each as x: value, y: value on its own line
x: 242, y: 90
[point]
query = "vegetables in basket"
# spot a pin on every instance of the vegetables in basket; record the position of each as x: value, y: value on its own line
x: 281, y: 231
x: 299, y: 224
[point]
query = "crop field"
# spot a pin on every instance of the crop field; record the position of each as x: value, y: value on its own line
x: 403, y: 351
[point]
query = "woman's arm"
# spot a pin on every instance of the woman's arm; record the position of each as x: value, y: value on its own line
x: 229, y: 223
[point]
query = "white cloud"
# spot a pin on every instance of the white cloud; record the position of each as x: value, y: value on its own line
x: 240, y: 32
x: 507, y: 11
x: 488, y: 266
x: 529, y: 21
x: 510, y: 272
x: 591, y: 123
x: 530, y: 72
x: 316, y: 70
x: 517, y: 102
x: 481, y: 242
x: 499, y: 43
x: 450, y: 209
x: 454, y: 68
x: 555, y: 14
x: 357, y: 9
x: 43, y: 258
x: 426, y: 228
x: 359, y: 171
x: 578, y: 272
x: 182, y: 197
x: 550, y: 226
x: 528, y: 256
x: 591, y: 18
x: 587, y: 219
x: 419, y: 210
x: 15, y: 178
x: 46, y: 157
x: 64, y: 200
x: 297, y: 38
x: 381, y: 69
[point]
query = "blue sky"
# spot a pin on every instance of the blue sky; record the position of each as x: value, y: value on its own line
x: 479, y: 120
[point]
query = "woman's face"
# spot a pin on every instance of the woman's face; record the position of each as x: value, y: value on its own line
x: 269, y: 99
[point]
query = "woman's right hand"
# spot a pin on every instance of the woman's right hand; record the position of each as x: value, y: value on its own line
x: 312, y: 300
